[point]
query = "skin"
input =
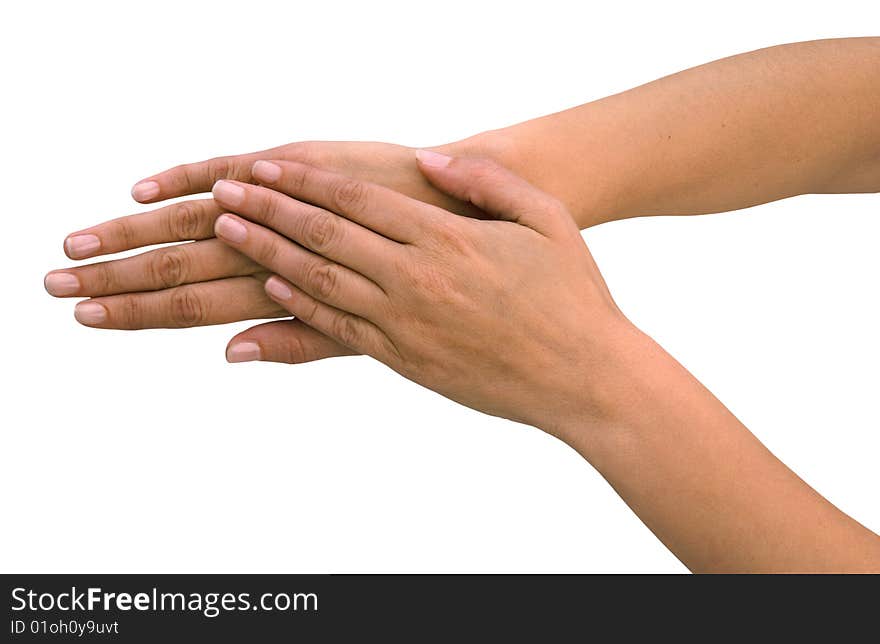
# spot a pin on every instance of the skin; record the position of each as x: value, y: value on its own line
x: 203, y: 281
x: 511, y: 317
x: 741, y: 131
x: 733, y: 133
x: 745, y: 130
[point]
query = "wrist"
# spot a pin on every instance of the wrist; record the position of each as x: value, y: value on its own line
x: 497, y: 145
x: 622, y: 384
x: 544, y: 152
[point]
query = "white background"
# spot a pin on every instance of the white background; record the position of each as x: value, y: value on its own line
x: 145, y: 451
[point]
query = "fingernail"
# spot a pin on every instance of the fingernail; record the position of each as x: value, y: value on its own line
x: 243, y: 352
x: 59, y: 284
x: 228, y: 228
x: 145, y: 190
x: 89, y: 313
x: 278, y: 289
x: 81, y: 245
x: 266, y: 171
x: 228, y: 193
x: 433, y: 159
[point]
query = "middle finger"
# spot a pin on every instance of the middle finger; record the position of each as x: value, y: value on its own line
x: 327, y: 281
x: 157, y: 269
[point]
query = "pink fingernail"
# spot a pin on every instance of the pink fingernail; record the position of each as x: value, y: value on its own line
x: 228, y: 228
x: 145, y: 190
x: 81, y: 245
x: 89, y: 313
x: 433, y: 159
x: 229, y: 193
x: 266, y: 171
x: 243, y: 352
x: 278, y: 289
x: 60, y: 284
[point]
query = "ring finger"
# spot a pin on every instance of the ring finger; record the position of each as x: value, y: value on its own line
x: 215, y: 302
x: 324, y: 232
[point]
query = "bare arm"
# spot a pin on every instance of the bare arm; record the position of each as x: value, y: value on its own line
x: 729, y: 134
x: 512, y: 317
x: 764, y: 125
x: 703, y: 483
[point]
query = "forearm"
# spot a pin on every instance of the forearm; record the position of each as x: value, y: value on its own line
x: 709, y: 490
x: 764, y: 125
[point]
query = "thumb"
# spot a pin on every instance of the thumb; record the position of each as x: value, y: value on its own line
x: 493, y: 189
x: 288, y: 341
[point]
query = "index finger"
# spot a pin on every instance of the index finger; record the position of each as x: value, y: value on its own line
x: 193, y: 178
x: 382, y: 210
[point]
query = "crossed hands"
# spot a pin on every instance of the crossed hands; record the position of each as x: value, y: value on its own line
x: 465, y: 278
x: 503, y: 310
x: 204, y: 281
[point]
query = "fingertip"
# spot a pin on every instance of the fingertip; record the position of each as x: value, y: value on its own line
x: 61, y: 284
x: 80, y: 246
x: 266, y: 171
x: 144, y: 191
x: 229, y: 228
x: 277, y: 289
x: 228, y: 192
x: 242, y: 352
x: 431, y: 159
x: 90, y: 313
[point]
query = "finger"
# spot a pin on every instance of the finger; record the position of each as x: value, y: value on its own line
x: 380, y: 209
x: 162, y: 268
x: 322, y: 231
x: 288, y: 341
x: 495, y: 190
x: 193, y: 178
x: 326, y: 280
x: 349, y: 330
x: 183, y: 221
x: 217, y: 302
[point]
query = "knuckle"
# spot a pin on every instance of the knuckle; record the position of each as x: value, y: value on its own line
x: 293, y: 351
x: 347, y: 329
x: 103, y: 278
x: 196, y: 177
x: 450, y: 236
x: 268, y: 252
x: 219, y: 168
x: 185, y: 178
x: 322, y: 279
x: 429, y: 279
x: 187, y: 308
x: 299, y: 176
x: 168, y: 268
x: 123, y: 232
x: 349, y: 196
x: 321, y: 231
x: 131, y: 315
x: 185, y: 221
x: 309, y: 311
x: 270, y: 208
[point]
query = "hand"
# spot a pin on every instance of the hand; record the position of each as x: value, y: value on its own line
x: 503, y: 315
x: 206, y: 282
